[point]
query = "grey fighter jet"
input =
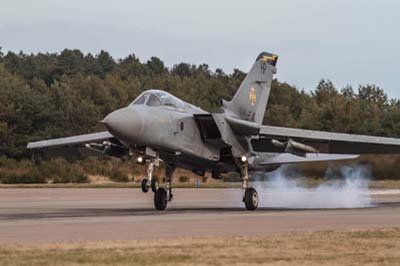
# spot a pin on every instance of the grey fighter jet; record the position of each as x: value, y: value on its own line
x: 158, y: 127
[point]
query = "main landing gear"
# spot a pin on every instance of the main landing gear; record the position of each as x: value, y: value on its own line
x: 163, y: 195
x: 250, y: 195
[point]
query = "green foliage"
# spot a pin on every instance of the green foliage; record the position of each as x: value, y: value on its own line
x: 118, y: 176
x: 112, y: 168
x: 32, y: 176
x: 184, y: 179
x: 19, y: 172
x: 61, y: 171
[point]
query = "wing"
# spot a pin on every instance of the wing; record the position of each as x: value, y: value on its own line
x: 68, y: 141
x: 82, y: 145
x: 323, y: 142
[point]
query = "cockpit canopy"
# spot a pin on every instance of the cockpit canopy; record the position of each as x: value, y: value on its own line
x: 159, y: 98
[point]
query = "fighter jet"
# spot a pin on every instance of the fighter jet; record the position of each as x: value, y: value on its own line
x: 158, y: 127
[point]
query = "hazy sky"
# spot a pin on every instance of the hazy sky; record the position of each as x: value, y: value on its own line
x: 350, y: 42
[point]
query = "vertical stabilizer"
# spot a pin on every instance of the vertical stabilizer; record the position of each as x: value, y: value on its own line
x: 250, y: 100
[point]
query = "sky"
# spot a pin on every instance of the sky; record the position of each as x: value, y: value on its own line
x: 349, y: 42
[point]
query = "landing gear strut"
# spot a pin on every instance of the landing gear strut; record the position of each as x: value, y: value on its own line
x: 250, y: 195
x: 163, y: 195
x: 151, y: 182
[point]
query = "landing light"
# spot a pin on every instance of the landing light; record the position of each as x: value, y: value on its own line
x: 139, y: 159
x: 243, y: 159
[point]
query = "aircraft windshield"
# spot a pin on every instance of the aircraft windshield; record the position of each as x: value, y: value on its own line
x: 159, y: 98
x: 153, y: 101
x: 169, y: 100
x: 141, y: 99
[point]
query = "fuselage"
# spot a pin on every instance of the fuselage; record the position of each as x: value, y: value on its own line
x: 158, y: 120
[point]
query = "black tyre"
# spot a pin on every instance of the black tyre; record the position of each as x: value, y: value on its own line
x: 144, y: 186
x: 154, y: 184
x: 160, y: 199
x: 251, y: 199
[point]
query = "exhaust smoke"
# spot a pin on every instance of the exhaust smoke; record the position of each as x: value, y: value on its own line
x: 280, y: 190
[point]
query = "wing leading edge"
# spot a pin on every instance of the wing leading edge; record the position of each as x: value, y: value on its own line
x: 70, y: 141
x: 95, y: 144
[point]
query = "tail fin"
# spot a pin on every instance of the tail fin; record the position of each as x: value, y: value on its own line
x: 250, y: 100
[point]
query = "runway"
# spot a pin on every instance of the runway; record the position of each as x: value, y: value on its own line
x: 37, y: 216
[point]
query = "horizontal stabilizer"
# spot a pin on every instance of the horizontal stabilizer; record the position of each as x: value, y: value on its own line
x: 326, y: 142
x: 286, y: 158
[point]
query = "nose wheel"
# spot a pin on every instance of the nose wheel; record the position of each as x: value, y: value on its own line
x: 154, y: 184
x: 146, y: 185
x: 150, y: 181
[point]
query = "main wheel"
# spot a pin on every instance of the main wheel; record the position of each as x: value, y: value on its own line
x: 154, y: 184
x: 145, y: 188
x: 251, y: 199
x: 160, y: 199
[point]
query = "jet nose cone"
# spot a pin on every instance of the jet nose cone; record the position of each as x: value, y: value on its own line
x: 125, y: 124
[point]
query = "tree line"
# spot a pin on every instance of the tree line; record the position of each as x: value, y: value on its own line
x: 49, y: 95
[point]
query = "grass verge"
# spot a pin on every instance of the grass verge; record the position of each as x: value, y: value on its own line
x: 363, y: 247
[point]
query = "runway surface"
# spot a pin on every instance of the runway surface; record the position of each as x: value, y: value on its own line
x: 32, y: 216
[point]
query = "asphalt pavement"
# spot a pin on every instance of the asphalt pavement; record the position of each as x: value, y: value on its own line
x: 38, y: 216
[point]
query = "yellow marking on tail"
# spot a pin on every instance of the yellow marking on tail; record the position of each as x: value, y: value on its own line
x: 269, y: 57
x: 253, y: 96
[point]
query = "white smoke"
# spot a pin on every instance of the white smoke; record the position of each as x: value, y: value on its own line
x: 282, y: 191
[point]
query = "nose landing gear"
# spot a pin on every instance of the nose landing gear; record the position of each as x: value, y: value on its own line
x: 145, y: 187
x: 151, y: 182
